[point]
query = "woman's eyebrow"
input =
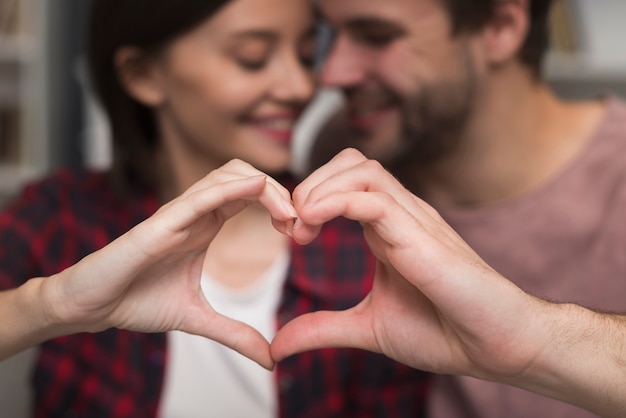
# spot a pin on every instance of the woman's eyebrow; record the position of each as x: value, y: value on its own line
x: 256, y: 33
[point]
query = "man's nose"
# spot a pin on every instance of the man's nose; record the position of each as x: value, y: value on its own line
x: 343, y: 65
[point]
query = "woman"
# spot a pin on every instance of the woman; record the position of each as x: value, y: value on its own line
x: 189, y: 86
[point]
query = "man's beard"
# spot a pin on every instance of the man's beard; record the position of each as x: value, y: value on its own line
x: 435, y: 121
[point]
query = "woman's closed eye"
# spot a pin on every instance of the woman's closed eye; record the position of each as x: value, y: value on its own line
x: 252, y: 64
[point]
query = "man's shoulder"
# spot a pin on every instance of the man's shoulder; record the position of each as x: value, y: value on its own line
x: 614, y: 120
x: 608, y: 141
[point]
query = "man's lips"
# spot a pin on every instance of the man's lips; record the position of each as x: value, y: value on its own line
x: 365, y: 119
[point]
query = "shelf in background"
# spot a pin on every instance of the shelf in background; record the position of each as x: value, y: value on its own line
x: 17, y: 48
x: 13, y: 176
x: 24, y: 105
x: 588, y: 56
x: 581, y: 67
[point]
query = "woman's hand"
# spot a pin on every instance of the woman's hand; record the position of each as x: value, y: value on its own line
x: 148, y: 280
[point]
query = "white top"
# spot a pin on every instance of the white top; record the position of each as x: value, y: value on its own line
x: 206, y: 379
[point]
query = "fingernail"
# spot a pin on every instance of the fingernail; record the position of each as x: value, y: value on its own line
x: 298, y: 223
x: 289, y: 208
x: 289, y: 228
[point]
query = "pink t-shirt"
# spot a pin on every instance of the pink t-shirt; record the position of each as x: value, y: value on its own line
x: 564, y: 242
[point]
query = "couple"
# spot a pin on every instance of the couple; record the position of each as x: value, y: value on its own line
x: 447, y: 95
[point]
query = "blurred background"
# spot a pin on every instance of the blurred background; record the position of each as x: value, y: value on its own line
x: 48, y: 118
x: 42, y: 113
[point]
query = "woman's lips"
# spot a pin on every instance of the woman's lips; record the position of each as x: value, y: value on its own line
x: 278, y: 128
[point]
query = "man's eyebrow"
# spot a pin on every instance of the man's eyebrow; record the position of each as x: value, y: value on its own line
x: 365, y: 23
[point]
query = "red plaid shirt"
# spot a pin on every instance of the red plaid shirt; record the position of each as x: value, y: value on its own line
x: 56, y: 222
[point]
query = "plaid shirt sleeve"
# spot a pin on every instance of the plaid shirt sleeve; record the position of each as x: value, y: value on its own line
x: 335, y: 272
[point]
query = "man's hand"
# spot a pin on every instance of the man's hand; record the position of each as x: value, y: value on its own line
x: 433, y: 304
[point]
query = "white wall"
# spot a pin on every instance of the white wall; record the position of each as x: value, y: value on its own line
x: 15, y: 392
x: 603, y: 30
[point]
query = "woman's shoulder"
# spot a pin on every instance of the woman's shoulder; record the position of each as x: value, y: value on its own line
x: 76, y: 184
x: 76, y: 191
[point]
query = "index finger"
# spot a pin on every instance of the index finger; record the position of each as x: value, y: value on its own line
x: 346, y: 159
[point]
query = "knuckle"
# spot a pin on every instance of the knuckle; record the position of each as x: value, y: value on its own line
x: 298, y: 195
x: 352, y: 154
x: 237, y: 164
x: 373, y: 165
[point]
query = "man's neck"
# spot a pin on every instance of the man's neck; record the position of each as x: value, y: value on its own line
x: 520, y: 136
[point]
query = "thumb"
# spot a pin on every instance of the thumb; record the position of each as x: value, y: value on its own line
x: 323, y: 329
x: 238, y: 336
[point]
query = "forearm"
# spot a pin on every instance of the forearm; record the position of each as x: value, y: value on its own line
x: 585, y: 361
x: 24, y: 320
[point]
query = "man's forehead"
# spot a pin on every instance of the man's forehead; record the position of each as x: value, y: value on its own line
x: 375, y: 11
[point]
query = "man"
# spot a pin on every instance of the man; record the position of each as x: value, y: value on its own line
x: 448, y: 94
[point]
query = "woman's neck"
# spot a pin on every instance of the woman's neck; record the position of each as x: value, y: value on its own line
x: 245, y: 248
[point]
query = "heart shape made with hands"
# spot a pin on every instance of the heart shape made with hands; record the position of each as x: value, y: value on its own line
x: 348, y: 320
x: 338, y: 237
x: 316, y: 202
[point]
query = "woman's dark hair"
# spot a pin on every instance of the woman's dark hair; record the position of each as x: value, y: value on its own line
x: 473, y: 15
x: 147, y: 25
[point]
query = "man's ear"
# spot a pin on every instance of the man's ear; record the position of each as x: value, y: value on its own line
x: 137, y: 76
x: 505, y: 34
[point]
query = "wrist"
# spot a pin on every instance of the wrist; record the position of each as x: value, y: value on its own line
x: 38, y: 299
x: 56, y: 310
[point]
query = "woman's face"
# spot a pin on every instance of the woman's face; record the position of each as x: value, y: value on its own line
x: 234, y: 86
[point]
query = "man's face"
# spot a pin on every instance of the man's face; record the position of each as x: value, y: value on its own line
x: 410, y: 84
